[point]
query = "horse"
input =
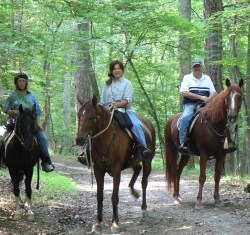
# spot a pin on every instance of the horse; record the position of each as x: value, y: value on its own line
x: 111, y: 150
x: 206, y: 138
x: 20, y: 158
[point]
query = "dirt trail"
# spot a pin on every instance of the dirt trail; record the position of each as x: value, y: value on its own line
x: 75, y: 212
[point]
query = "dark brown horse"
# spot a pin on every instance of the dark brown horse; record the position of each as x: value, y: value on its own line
x: 111, y: 152
x: 21, y: 157
x: 206, y: 139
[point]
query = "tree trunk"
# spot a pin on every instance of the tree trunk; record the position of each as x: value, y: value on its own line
x: 67, y: 110
x: 185, y: 52
x: 85, y: 80
x: 245, y: 160
x: 213, y: 43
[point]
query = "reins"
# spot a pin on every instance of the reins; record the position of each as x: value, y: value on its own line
x: 111, y: 117
x: 89, y: 138
x: 21, y: 139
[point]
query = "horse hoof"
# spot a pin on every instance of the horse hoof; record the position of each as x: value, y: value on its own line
x: 115, y: 228
x: 17, y: 216
x: 177, y: 202
x: 198, y: 206
x: 145, y: 214
x: 96, y: 228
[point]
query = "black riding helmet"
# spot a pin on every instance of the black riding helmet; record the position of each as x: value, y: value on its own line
x: 20, y: 75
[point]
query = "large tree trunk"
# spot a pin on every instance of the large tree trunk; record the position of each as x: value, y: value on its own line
x: 85, y: 81
x: 233, y: 159
x: 185, y: 51
x: 245, y: 160
x: 213, y: 43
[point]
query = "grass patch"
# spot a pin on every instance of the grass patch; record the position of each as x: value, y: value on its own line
x: 157, y: 163
x: 52, y: 186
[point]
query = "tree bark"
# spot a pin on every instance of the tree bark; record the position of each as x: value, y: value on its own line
x: 245, y: 160
x: 85, y: 80
x: 185, y: 52
x: 213, y: 42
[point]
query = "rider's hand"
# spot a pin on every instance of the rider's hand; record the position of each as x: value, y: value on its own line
x: 204, y: 99
x: 15, y: 112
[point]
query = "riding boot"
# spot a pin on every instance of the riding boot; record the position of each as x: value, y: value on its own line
x: 183, y: 148
x: 146, y: 154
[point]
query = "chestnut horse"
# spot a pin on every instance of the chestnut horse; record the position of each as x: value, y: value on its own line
x: 111, y: 150
x: 206, y: 139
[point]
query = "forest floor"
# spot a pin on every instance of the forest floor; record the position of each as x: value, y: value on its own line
x: 74, y: 213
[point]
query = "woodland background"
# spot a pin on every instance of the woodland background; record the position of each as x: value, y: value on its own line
x: 66, y: 47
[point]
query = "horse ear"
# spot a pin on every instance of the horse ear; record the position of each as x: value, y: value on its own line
x: 94, y: 100
x: 228, y: 83
x: 241, y: 82
x: 80, y: 100
x: 20, y: 108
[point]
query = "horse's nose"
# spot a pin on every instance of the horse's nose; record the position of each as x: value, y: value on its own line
x: 79, y: 141
x: 232, y: 116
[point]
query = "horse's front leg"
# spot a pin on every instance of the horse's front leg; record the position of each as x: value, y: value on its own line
x: 218, y: 166
x: 99, y: 176
x: 202, y: 179
x: 28, y: 191
x: 14, y: 174
x: 115, y: 200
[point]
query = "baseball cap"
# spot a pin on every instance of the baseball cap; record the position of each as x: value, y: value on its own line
x: 196, y: 62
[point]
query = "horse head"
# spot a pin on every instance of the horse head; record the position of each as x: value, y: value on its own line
x: 88, y: 117
x: 233, y: 99
x: 26, y: 127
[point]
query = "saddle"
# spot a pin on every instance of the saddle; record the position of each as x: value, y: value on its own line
x: 122, y: 119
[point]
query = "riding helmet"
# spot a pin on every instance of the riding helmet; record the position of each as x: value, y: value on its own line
x: 20, y: 75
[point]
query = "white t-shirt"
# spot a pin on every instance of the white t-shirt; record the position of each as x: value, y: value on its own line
x: 203, y: 86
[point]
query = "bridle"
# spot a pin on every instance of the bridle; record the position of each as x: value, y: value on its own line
x: 90, y: 137
x: 223, y: 135
x: 20, y: 136
x: 95, y: 121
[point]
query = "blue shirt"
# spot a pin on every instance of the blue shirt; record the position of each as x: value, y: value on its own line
x: 118, y: 90
x: 16, y: 98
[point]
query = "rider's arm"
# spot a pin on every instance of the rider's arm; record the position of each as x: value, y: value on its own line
x: 12, y: 112
x: 120, y: 104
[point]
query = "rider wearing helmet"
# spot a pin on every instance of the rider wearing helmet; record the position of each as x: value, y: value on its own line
x: 23, y: 96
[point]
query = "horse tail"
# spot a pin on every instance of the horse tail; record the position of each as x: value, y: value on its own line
x: 171, y: 154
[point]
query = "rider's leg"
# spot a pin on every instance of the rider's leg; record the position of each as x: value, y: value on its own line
x: 188, y: 111
x: 45, y: 157
x: 140, y: 136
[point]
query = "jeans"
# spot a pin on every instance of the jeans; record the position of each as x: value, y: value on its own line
x: 137, y: 128
x: 43, y: 144
x: 188, y: 111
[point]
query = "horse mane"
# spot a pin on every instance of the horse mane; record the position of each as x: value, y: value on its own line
x: 214, y: 111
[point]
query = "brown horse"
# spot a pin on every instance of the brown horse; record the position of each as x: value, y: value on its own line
x: 206, y: 139
x: 111, y: 150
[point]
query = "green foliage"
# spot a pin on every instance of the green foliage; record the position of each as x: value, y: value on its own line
x: 38, y: 33
x: 52, y: 186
